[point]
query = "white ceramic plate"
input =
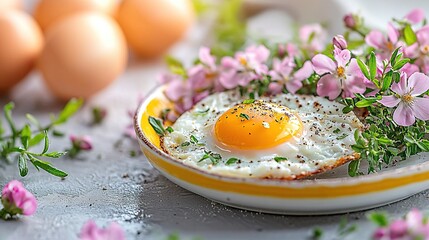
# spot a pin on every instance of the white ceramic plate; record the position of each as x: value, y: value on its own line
x: 328, y: 193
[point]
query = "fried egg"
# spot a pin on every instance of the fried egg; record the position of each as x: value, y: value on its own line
x: 284, y: 137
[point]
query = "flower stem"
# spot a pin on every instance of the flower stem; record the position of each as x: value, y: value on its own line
x: 4, y: 214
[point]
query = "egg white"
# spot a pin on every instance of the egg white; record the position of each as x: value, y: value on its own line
x: 324, y: 143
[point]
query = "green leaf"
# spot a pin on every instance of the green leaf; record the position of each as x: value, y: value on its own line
x: 33, y: 120
x: 363, y: 68
x: 184, y: 144
x: 54, y: 154
x: 169, y: 129
x: 46, y: 142
x: 157, y: 125
x: 409, y: 35
x: 423, y: 145
x: 400, y: 64
x: 57, y: 133
x: 248, y: 101
x: 387, y: 81
x: 365, y: 102
x: 25, y: 135
x: 317, y: 233
x: 353, y: 168
x: 393, y: 57
x: 379, y: 218
x: 8, y: 115
x: 231, y: 161
x: 347, y: 109
x: 280, y: 159
x: 396, y: 77
x: 22, y: 165
x: 372, y: 66
x: 49, y: 168
x: 36, y: 139
x: 69, y: 110
x: 175, y: 66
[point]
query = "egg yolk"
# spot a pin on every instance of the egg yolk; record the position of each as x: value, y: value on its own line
x: 256, y: 125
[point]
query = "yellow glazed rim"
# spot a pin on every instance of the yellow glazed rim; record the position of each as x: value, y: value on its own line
x: 297, y: 189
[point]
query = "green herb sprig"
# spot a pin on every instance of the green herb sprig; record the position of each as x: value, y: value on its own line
x: 18, y: 145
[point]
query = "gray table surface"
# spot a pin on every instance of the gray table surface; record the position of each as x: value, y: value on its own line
x: 107, y: 184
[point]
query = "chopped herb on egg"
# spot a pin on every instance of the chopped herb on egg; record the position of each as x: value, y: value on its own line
x: 157, y: 126
x: 342, y: 137
x: 169, y: 129
x: 231, y: 161
x: 213, y: 157
x: 249, y: 101
x: 245, y: 116
x: 185, y: 144
x: 194, y: 140
x: 280, y: 159
x: 337, y: 130
x: 202, y: 112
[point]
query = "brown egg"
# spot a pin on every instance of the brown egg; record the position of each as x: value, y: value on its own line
x: 83, y: 54
x: 48, y: 12
x: 10, y: 4
x: 21, y: 42
x: 151, y: 27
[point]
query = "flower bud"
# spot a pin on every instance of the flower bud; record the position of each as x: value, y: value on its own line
x: 339, y: 42
x: 350, y: 21
x: 81, y: 143
x: 17, y: 200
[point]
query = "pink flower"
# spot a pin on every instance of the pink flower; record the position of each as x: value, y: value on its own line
x: 244, y: 67
x: 82, y: 142
x: 410, y: 106
x: 288, y: 49
x: 415, y: 16
x: 283, y: 74
x: 341, y: 75
x: 90, y: 231
x: 206, y: 74
x: 420, y: 49
x: 386, y: 45
x: 17, y: 200
x: 339, y: 42
x: 398, y: 229
x: 313, y: 37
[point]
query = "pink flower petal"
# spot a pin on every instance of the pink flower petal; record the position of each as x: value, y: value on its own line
x: 389, y: 101
x: 397, y: 229
x: 275, y: 88
x: 375, y: 39
x: 353, y: 85
x: 392, y: 33
x: 228, y: 80
x: 293, y: 86
x: 329, y: 86
x: 304, y: 72
x: 342, y: 58
x: 261, y: 53
x: 410, y: 68
x: 207, y: 58
x: 418, y: 83
x: 411, y: 51
x: 414, y: 219
x: 421, y: 108
x: 323, y: 64
x: 415, y: 16
x: 175, y: 90
x: 229, y: 63
x: 400, y: 88
x: 403, y: 115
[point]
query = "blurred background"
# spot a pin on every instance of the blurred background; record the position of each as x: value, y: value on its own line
x: 59, y: 49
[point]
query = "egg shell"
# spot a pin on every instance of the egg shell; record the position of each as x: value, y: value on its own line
x: 20, y: 44
x: 83, y: 54
x: 10, y: 4
x: 151, y: 27
x: 48, y: 12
